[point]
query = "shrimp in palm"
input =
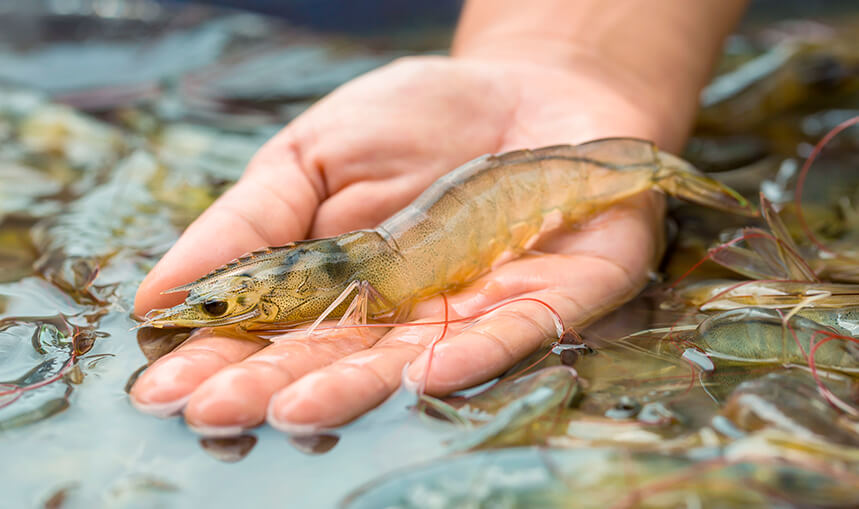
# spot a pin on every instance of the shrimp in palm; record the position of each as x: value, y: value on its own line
x: 482, y: 214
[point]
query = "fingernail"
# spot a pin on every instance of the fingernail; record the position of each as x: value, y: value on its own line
x: 276, y: 421
x: 216, y: 431
x: 410, y: 382
x: 162, y: 409
x: 291, y: 428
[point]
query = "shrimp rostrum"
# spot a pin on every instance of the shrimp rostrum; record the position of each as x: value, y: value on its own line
x: 476, y: 216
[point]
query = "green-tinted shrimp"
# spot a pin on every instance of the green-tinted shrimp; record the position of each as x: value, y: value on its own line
x: 482, y: 213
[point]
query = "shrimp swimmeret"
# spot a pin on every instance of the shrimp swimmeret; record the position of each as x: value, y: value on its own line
x: 486, y: 211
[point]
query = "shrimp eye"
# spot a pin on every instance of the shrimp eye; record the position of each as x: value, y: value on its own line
x: 215, y: 307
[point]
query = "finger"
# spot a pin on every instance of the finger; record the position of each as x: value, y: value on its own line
x: 237, y: 396
x: 348, y: 388
x: 351, y: 386
x: 275, y: 185
x: 165, y: 386
x: 590, y: 287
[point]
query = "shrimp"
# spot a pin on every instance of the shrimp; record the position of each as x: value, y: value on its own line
x: 772, y: 337
x: 786, y: 76
x: 721, y: 295
x: 780, y: 275
x: 481, y: 214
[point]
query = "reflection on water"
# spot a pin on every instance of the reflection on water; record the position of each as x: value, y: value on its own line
x: 230, y: 449
x: 315, y: 444
x: 110, y: 146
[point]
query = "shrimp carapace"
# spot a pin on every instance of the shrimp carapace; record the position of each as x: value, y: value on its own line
x: 490, y: 209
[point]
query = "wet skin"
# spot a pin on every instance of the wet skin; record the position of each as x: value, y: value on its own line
x: 351, y: 161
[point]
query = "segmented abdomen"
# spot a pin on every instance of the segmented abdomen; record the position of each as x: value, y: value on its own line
x: 458, y: 227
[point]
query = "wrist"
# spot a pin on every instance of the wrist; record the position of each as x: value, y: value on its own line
x: 658, y: 54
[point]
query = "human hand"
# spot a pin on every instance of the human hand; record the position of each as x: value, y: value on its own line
x: 350, y: 162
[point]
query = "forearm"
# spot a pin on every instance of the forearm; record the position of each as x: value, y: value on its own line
x: 658, y: 52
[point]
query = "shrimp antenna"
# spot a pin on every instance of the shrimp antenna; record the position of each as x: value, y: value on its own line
x: 800, y: 180
x: 181, y: 288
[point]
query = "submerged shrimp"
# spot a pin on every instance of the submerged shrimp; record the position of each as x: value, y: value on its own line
x: 780, y: 277
x: 481, y: 214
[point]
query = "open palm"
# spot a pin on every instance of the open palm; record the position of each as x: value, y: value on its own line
x: 351, y: 161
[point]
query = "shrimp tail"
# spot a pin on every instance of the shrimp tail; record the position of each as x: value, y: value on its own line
x: 680, y: 179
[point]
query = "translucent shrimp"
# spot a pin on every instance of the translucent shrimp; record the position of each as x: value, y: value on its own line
x: 483, y: 213
x: 781, y: 276
x: 767, y: 337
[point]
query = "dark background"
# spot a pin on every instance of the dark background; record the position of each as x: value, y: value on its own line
x: 368, y: 16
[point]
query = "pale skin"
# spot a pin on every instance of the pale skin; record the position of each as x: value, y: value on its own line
x: 556, y: 72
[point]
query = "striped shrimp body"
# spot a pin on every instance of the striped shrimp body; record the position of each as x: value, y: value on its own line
x: 486, y: 211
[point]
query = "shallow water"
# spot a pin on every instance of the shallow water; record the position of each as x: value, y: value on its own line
x: 89, y: 204
x: 89, y: 201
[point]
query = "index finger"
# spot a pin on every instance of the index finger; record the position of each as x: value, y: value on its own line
x: 272, y: 204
